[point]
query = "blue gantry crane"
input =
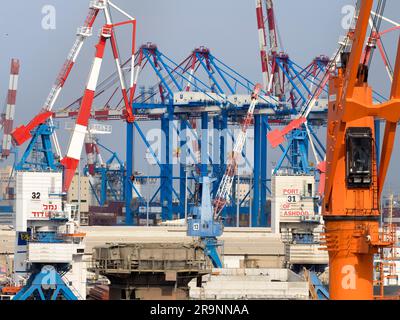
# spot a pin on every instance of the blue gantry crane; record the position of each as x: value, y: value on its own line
x: 206, y: 220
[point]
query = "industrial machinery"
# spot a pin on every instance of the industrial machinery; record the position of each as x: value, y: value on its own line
x: 354, y: 177
x: 49, y: 248
x: 206, y: 222
x: 23, y: 133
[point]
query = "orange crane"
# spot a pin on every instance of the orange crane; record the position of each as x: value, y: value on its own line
x: 354, y: 181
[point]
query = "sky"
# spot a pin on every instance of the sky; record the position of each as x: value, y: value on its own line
x: 307, y: 28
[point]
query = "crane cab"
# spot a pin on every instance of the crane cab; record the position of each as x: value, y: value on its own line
x: 359, y: 154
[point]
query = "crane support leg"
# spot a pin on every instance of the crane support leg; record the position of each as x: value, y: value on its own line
x: 45, y: 285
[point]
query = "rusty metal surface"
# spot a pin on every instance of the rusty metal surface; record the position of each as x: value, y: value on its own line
x: 149, y: 271
x: 150, y: 257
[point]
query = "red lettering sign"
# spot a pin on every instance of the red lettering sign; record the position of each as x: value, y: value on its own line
x: 296, y: 213
x: 291, y: 191
x: 40, y: 214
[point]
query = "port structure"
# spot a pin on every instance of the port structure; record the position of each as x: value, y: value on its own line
x: 354, y: 179
x: 177, y: 79
x: 294, y: 88
x: 307, y: 231
x: 298, y: 133
x: 49, y: 245
x: 144, y: 271
x: 199, y: 92
x: 308, y: 84
x: 179, y: 92
x: 205, y: 221
x: 111, y: 185
x: 45, y: 117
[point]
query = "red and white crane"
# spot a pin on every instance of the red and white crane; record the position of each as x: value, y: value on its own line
x: 93, y: 154
x: 270, y: 69
x: 23, y: 133
x: 71, y: 160
x: 225, y: 185
x: 7, y: 117
x: 262, y: 43
x: 91, y: 151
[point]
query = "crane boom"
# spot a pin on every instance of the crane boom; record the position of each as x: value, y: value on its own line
x: 269, y: 67
x: 23, y: 133
x: 262, y: 43
x: 82, y: 33
x: 7, y: 119
x: 71, y: 161
x: 225, y: 185
x: 273, y: 42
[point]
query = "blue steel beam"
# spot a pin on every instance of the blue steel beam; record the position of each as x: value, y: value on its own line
x: 294, y: 86
x: 257, y: 166
x: 264, y: 163
x: 166, y: 167
x: 183, y: 168
x: 212, y: 61
x: 299, y: 77
x: 204, y: 144
x: 210, y: 75
x: 216, y: 150
x: 129, y: 172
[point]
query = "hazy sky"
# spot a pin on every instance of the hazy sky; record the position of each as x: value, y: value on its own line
x: 228, y: 27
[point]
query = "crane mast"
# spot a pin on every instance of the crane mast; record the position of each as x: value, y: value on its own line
x: 354, y: 181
